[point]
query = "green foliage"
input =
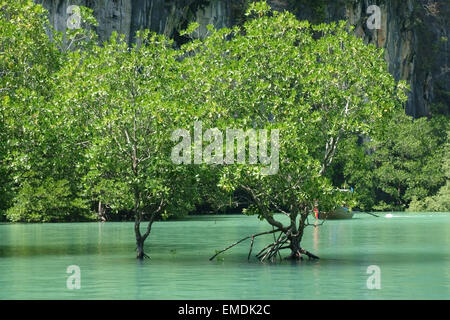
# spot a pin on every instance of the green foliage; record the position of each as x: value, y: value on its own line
x: 400, y: 166
x: 35, y: 140
x: 82, y: 38
x: 317, y: 84
x: 47, y: 200
x: 124, y: 104
x: 441, y: 200
x: 353, y: 166
x: 28, y: 58
x: 407, y: 160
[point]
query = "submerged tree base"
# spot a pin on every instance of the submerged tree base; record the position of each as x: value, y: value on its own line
x: 273, y: 250
x: 140, y: 251
x: 142, y: 256
x: 298, y: 255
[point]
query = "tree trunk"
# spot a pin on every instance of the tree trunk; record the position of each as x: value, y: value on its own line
x: 294, y: 245
x: 140, y: 249
x: 101, y: 212
x: 139, y: 239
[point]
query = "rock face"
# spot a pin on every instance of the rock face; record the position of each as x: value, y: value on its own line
x: 414, y: 33
x: 128, y: 16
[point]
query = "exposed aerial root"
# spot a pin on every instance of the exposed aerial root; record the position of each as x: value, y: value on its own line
x: 272, y: 250
x: 298, y: 255
x: 253, y: 236
x: 142, y: 256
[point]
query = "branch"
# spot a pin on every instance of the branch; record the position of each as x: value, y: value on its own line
x: 121, y: 149
x: 281, y: 210
x: 127, y: 136
x: 274, y: 247
x: 152, y: 218
x: 237, y: 242
x: 275, y: 223
x: 266, y: 216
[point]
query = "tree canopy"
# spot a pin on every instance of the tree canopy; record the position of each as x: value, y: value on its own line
x: 317, y: 84
x: 88, y: 127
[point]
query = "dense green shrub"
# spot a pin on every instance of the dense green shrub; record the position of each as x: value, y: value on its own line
x: 399, y: 166
x: 47, y: 200
x: 441, y: 200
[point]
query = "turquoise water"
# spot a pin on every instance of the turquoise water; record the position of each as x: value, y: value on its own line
x: 411, y: 250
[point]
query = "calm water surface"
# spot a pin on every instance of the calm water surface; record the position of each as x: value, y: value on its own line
x: 412, y: 251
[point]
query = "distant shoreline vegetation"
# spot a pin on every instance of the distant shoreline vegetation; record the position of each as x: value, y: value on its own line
x: 126, y: 217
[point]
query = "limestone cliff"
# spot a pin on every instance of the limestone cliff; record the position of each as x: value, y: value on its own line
x: 414, y: 33
x: 128, y: 16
